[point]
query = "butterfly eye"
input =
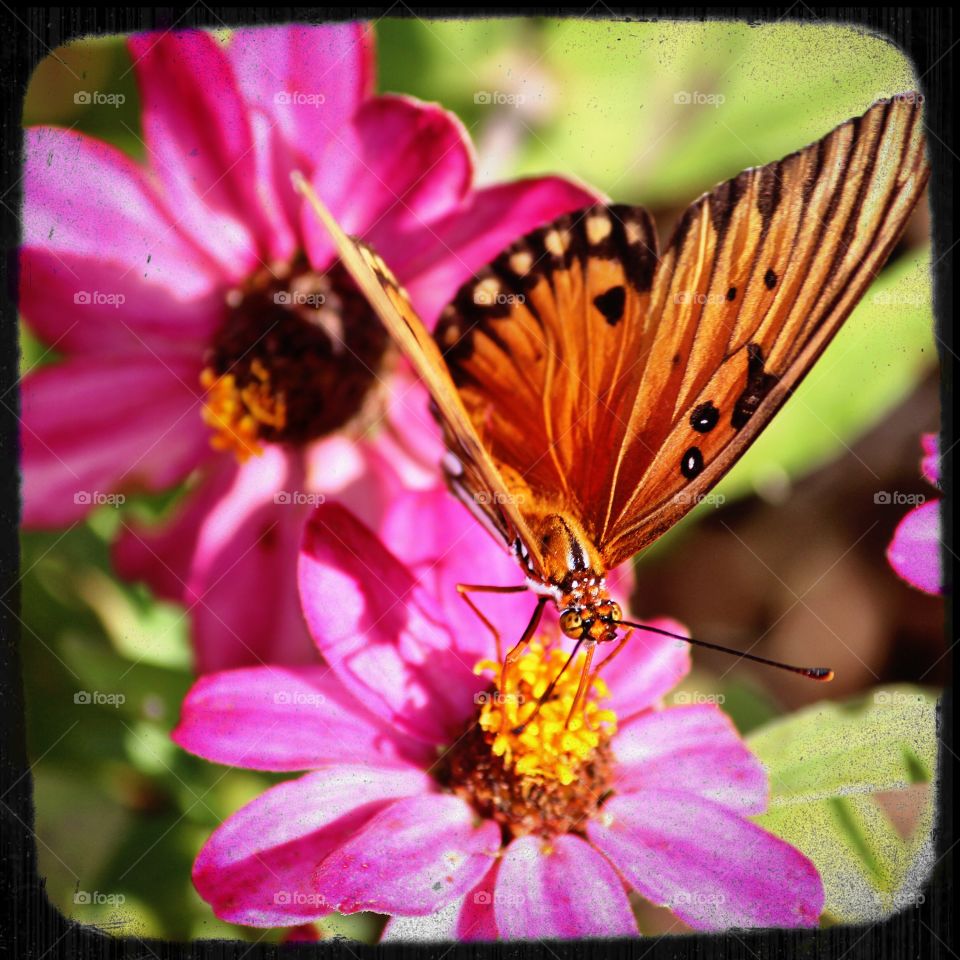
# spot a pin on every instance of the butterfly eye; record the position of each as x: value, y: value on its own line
x: 616, y: 614
x: 571, y: 623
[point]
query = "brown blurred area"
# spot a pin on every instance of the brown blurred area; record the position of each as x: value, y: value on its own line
x: 802, y: 576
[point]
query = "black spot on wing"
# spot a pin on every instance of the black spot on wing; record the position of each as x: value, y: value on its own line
x: 691, y: 463
x: 704, y: 417
x: 611, y: 304
x: 759, y: 384
x: 770, y: 279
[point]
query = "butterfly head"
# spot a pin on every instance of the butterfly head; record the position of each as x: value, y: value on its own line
x: 596, y: 621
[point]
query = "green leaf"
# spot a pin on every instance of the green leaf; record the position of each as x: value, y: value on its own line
x: 885, y: 741
x: 868, y: 869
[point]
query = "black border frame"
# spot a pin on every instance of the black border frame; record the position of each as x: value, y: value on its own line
x: 32, y: 928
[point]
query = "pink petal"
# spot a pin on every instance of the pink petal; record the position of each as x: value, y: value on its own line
x: 443, y: 546
x: 103, y: 266
x: 930, y: 465
x: 256, y: 868
x: 236, y: 562
x: 93, y: 427
x: 402, y: 165
x: 435, y: 262
x: 317, y: 79
x: 334, y: 61
x: 647, y: 668
x: 200, y: 145
x: 695, y: 749
x: 380, y: 631
x: 559, y: 889
x: 711, y: 867
x: 413, y: 857
x: 226, y: 544
x: 914, y: 551
x: 287, y: 719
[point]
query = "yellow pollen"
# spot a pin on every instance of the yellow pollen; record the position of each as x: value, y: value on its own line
x: 236, y: 413
x: 546, y: 747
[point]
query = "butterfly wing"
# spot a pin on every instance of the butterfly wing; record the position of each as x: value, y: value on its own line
x: 542, y: 343
x: 471, y: 472
x: 621, y: 385
x: 757, y: 279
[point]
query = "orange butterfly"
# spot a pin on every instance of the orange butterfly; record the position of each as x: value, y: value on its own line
x: 591, y: 388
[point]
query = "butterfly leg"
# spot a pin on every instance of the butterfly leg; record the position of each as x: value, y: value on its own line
x: 514, y: 655
x: 465, y: 589
x: 585, y: 678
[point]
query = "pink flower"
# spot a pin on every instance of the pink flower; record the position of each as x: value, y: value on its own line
x: 914, y: 552
x: 190, y: 301
x: 419, y: 804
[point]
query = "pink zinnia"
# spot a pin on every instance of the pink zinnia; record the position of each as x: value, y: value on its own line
x: 915, y: 550
x: 191, y: 300
x: 420, y: 804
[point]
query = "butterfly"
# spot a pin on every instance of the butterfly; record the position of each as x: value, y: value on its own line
x: 592, y: 388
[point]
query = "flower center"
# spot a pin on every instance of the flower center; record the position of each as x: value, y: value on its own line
x: 299, y: 356
x: 528, y: 768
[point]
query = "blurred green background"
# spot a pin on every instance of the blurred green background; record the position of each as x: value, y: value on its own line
x: 121, y: 812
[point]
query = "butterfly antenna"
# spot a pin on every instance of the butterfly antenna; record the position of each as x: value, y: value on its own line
x: 824, y: 674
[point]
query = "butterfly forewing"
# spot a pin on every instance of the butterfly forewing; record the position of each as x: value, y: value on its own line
x: 542, y: 347
x: 473, y: 475
x: 777, y: 259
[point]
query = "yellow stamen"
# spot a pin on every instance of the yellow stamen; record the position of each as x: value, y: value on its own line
x: 548, y: 746
x: 237, y: 413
